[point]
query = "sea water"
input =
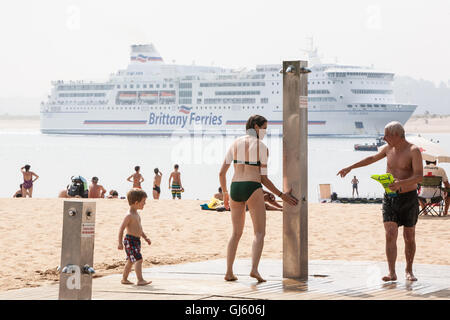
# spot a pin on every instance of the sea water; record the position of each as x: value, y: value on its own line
x: 55, y: 158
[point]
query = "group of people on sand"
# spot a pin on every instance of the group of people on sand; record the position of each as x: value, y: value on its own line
x: 98, y: 191
x: 174, y: 181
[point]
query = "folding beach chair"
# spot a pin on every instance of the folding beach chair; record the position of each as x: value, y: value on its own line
x: 324, y: 193
x: 434, y: 201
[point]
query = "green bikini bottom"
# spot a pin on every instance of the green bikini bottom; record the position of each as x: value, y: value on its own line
x: 241, y: 191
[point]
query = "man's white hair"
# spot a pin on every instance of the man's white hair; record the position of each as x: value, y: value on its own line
x: 395, y: 128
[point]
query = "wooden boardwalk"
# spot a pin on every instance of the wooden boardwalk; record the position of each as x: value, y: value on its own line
x: 340, y: 280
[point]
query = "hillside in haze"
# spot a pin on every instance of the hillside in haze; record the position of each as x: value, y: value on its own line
x: 429, y: 97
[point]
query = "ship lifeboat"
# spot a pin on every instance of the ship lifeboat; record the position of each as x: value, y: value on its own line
x: 148, y: 95
x: 127, y: 96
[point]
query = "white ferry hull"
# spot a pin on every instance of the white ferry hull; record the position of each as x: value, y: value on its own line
x: 320, y: 123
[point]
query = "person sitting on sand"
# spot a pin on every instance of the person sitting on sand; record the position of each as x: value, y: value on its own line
x: 27, y: 186
x: 157, y: 184
x: 219, y: 195
x: 18, y: 193
x: 113, y: 194
x: 132, y: 242
x: 431, y: 169
x: 96, y: 190
x: 176, y: 185
x: 137, y: 178
x: 270, y: 202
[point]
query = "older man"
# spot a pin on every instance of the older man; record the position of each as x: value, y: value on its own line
x: 404, y: 162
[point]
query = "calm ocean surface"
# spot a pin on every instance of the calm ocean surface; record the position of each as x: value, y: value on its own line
x: 55, y: 158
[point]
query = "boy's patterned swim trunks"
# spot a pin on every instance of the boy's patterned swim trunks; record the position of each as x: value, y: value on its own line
x: 132, y: 248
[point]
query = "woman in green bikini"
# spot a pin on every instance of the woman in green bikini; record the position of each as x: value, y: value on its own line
x: 249, y: 156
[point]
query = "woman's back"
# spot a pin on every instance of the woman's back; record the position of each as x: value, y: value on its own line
x: 249, y: 156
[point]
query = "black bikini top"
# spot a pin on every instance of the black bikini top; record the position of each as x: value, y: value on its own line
x: 250, y: 163
x: 257, y: 163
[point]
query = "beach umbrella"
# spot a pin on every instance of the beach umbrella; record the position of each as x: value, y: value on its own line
x: 430, y: 151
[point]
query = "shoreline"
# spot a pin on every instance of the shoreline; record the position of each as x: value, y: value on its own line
x: 181, y: 232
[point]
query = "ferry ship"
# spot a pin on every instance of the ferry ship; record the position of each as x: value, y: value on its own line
x: 151, y: 97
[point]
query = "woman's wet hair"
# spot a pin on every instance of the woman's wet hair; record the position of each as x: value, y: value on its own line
x: 137, y: 168
x: 252, y: 121
x: 176, y: 166
x: 27, y: 167
x: 156, y: 170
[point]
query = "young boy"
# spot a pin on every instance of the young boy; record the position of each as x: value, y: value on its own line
x: 132, y: 242
x: 176, y: 186
x: 137, y: 178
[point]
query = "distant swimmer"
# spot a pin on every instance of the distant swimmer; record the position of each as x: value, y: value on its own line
x: 27, y: 185
x: 175, y: 183
x: 137, y: 178
x: 355, y: 187
x: 96, y: 190
x: 249, y: 156
x: 157, y: 184
x: 401, y: 208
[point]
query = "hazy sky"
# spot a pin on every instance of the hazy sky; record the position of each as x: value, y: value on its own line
x: 71, y: 40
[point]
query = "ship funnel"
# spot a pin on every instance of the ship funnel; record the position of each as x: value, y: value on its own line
x: 145, y: 53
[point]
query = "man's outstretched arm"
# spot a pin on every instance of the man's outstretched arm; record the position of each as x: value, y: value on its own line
x: 365, y: 162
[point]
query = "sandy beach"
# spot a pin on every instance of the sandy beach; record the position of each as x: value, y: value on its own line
x: 181, y: 232
x: 428, y: 124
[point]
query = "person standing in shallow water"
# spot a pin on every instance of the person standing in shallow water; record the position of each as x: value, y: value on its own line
x: 176, y: 186
x: 355, y: 187
x: 249, y: 156
x: 27, y: 185
x: 157, y: 184
x: 136, y: 178
x: 404, y: 162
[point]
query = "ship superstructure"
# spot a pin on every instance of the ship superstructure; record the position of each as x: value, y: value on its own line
x: 151, y: 97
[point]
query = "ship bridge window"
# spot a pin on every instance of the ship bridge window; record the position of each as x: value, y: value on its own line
x: 131, y: 86
x: 349, y: 106
x: 138, y: 86
x: 118, y: 86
